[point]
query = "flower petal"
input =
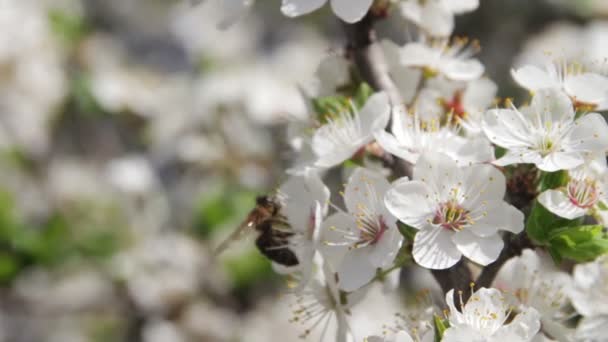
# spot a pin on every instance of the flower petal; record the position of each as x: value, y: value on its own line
x: 507, y: 128
x: 365, y: 191
x: 558, y: 203
x: 409, y: 202
x: 587, y: 88
x: 295, y: 8
x: 533, y: 78
x: 590, y: 133
x: 433, y: 248
x: 553, y: 105
x: 355, y: 270
x: 482, y: 250
x: 375, y: 114
x: 463, y: 70
x: 390, y: 144
x: 351, y: 10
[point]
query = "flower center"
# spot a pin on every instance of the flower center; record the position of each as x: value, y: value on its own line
x: 454, y: 107
x: 371, y: 229
x: 452, y: 216
x: 582, y: 193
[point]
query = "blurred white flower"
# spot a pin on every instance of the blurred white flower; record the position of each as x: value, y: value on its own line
x: 436, y: 17
x: 454, y: 61
x: 131, y: 174
x: 161, y: 271
x: 546, y: 133
x: 304, y: 203
x: 535, y: 282
x: 461, y: 103
x: 405, y: 78
x: 456, y: 210
x: 162, y: 331
x: 484, y: 318
x: 364, y: 239
x: 590, y: 288
x: 342, y: 136
x: 400, y: 336
x: 587, y: 189
x: 348, y: 10
x: 411, y: 137
x: 587, y: 89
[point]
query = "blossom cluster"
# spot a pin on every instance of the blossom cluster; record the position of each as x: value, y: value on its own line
x: 433, y: 177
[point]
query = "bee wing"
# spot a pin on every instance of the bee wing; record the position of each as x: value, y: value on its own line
x: 235, y: 236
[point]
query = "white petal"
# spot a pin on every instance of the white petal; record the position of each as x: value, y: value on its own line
x: 332, y: 232
x: 590, y: 133
x: 560, y: 161
x: 436, y: 20
x: 390, y: 144
x: 483, y: 183
x: 375, y: 114
x: 460, y: 6
x: 507, y: 128
x: 365, y: 191
x: 294, y: 8
x: 533, y: 78
x: 480, y: 94
x: 402, y: 336
x: 409, y: 202
x: 525, y: 325
x: 433, y: 248
x: 355, y: 270
x: 383, y: 253
x: 482, y: 250
x: 463, y: 333
x: 587, y: 88
x: 419, y: 55
x: 594, y: 328
x: 499, y: 216
x: 553, y: 105
x: 406, y: 80
x: 558, y: 203
x: 351, y: 10
x: 462, y: 70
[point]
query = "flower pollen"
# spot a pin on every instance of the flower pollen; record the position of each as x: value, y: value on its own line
x: 451, y: 216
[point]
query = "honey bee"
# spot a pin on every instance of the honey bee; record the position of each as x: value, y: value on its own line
x: 273, y: 228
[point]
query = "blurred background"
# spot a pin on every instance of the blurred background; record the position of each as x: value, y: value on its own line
x: 134, y: 136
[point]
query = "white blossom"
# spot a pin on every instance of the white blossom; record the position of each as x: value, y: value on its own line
x: 456, y: 210
x: 585, y: 88
x: 342, y: 136
x: 587, y: 189
x: 304, y: 201
x: 365, y: 238
x: 534, y: 281
x: 588, y: 294
x: 484, y: 318
x: 348, y: 10
x: 546, y: 133
x: 411, y: 137
x: 436, y: 17
x: 454, y: 61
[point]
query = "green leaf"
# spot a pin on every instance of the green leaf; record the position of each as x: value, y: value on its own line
x: 70, y: 28
x: 363, y: 93
x: 602, y: 206
x: 542, y: 222
x: 553, y: 180
x: 407, y: 231
x: 579, y: 243
x: 441, y: 325
x: 247, y: 268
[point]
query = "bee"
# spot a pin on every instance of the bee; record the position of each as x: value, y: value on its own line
x: 273, y: 229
